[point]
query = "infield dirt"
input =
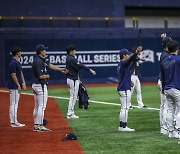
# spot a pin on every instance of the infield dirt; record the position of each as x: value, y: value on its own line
x: 25, y: 140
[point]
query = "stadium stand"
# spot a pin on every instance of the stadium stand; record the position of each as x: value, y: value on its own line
x: 107, y: 25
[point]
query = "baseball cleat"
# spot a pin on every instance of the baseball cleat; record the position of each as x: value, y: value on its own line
x: 17, y: 125
x: 131, y: 107
x: 177, y: 134
x: 141, y: 107
x: 41, y: 129
x: 171, y: 134
x: 72, y: 116
x: 126, y: 129
x: 164, y: 131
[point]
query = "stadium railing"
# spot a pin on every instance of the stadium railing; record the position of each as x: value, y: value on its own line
x: 89, y: 22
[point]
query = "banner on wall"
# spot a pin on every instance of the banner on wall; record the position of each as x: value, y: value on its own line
x: 99, y: 54
x: 89, y: 58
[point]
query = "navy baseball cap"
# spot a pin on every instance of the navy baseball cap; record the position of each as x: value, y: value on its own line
x: 41, y: 47
x: 124, y: 52
x: 15, y: 50
x: 166, y: 40
x: 70, y: 48
x: 70, y: 136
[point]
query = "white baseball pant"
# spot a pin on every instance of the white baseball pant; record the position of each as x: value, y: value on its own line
x: 137, y: 88
x: 175, y: 116
x: 73, y: 89
x: 163, y: 108
x: 40, y: 98
x: 14, y: 99
x: 173, y: 102
x: 125, y: 97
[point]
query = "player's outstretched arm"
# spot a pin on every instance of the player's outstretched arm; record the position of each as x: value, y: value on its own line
x: 45, y: 76
x: 139, y: 49
x: 142, y: 59
x: 133, y: 57
x: 63, y: 70
x: 92, y: 71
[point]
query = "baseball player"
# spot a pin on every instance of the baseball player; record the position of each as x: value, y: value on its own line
x: 170, y: 69
x: 163, y: 106
x: 16, y: 83
x: 124, y: 86
x: 73, y: 81
x: 136, y: 85
x: 39, y: 86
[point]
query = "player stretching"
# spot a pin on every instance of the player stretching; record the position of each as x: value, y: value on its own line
x: 124, y: 87
x: 136, y: 85
x: 74, y: 67
x: 163, y: 106
x: 39, y: 86
x: 170, y: 68
x: 16, y: 82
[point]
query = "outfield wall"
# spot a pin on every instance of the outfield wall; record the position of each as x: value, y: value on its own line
x: 97, y: 48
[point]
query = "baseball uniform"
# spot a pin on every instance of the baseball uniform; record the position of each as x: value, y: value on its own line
x: 124, y: 88
x: 163, y: 105
x: 136, y: 82
x: 14, y: 67
x: 73, y: 81
x: 170, y: 69
x: 39, y: 86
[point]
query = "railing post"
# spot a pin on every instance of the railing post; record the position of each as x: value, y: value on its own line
x: 135, y: 23
x: 79, y: 22
x: 1, y: 21
x: 106, y: 19
x: 50, y: 21
x: 21, y: 21
x: 165, y: 23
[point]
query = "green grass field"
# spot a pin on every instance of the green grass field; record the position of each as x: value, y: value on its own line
x: 97, y: 127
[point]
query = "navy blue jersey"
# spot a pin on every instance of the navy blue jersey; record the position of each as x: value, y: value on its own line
x: 164, y: 54
x: 170, y: 70
x: 124, y: 75
x: 14, y: 67
x: 74, y: 66
x: 134, y: 67
x: 39, y: 67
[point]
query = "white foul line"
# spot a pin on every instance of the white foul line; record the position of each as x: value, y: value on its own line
x: 92, y: 101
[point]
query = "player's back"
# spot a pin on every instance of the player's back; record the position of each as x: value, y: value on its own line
x: 171, y: 70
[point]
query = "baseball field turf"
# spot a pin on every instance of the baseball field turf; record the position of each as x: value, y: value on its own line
x: 97, y: 127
